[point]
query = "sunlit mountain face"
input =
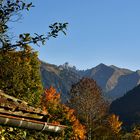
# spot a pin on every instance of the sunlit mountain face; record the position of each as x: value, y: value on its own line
x: 114, y: 81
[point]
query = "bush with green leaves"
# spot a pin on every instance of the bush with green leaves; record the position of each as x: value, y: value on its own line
x: 20, y: 76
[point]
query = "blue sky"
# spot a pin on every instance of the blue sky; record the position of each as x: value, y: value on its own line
x: 99, y: 31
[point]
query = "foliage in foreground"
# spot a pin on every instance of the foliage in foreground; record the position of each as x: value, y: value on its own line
x: 20, y: 75
x: 10, y: 11
x: 61, y: 114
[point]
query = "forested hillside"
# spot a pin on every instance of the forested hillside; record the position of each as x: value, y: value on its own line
x: 128, y: 107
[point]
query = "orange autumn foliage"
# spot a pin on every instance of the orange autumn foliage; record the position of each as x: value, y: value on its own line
x: 50, y: 98
x: 61, y: 114
x: 114, y: 123
x: 51, y: 95
x: 56, y: 122
x: 79, y: 130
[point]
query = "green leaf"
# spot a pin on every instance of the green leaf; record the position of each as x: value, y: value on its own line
x: 21, y: 36
x: 64, y: 32
x: 23, y: 5
x: 29, y: 5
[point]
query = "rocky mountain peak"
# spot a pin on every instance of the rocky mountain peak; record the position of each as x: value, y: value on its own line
x: 114, y: 81
x: 67, y: 66
x: 101, y: 66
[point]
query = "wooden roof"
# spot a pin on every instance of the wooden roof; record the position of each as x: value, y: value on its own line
x: 18, y: 113
x: 13, y: 106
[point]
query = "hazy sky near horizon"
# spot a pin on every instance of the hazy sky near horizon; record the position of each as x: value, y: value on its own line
x: 99, y: 31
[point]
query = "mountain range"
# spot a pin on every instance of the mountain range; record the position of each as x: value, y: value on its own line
x: 128, y: 107
x: 114, y: 81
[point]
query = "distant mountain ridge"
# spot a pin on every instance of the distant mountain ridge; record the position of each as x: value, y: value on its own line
x: 114, y: 81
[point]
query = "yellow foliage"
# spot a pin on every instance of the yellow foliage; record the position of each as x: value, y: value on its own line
x: 136, y: 133
x: 114, y: 123
x: 79, y: 130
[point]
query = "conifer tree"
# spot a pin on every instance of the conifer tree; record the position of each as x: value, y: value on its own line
x: 20, y: 75
x: 19, y: 65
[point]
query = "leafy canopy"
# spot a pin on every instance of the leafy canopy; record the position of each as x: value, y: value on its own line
x: 10, y: 11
